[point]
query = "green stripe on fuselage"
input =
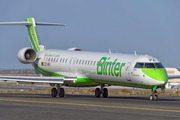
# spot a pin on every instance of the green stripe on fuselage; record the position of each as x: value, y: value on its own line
x: 49, y: 73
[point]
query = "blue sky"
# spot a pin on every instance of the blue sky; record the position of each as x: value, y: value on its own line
x: 148, y: 26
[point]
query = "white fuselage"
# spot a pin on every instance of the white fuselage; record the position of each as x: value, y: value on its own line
x: 97, y: 67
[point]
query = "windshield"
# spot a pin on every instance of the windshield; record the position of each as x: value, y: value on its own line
x: 159, y: 65
x: 149, y: 65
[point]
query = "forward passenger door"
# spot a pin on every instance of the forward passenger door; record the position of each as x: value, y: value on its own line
x: 128, y: 72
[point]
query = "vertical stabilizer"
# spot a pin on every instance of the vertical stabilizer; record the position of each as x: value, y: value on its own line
x: 31, y: 25
x: 33, y: 37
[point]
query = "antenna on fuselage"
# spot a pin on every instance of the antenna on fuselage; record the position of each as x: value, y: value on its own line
x: 135, y: 52
x: 109, y: 51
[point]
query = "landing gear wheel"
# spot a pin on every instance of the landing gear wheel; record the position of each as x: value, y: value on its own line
x: 54, y: 92
x: 155, y: 97
x: 61, y: 94
x: 105, y: 93
x: 151, y: 98
x: 97, y: 92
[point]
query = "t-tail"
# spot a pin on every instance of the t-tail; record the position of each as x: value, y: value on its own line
x: 33, y: 36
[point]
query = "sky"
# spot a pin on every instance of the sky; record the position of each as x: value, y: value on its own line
x: 149, y: 27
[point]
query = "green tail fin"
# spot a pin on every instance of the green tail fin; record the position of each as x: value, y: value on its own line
x: 31, y: 25
x: 34, y: 41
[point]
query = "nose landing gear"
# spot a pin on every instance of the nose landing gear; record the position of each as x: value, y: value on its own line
x: 153, y: 96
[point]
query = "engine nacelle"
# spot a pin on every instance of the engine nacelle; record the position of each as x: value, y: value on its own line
x: 27, y: 55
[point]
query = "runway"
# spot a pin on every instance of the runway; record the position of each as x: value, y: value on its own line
x: 87, y: 107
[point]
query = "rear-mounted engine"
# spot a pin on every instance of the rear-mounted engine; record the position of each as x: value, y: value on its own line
x: 27, y: 55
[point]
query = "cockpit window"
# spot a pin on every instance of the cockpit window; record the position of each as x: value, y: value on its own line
x: 159, y: 65
x: 139, y: 65
x: 149, y: 65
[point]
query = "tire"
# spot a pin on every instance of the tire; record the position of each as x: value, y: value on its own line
x: 105, y: 93
x: 151, y: 98
x: 156, y: 98
x: 54, y: 92
x: 61, y: 94
x: 97, y: 92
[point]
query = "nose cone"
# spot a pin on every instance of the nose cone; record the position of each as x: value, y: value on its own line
x: 156, y: 74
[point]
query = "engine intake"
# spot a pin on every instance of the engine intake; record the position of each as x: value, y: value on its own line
x: 27, y: 55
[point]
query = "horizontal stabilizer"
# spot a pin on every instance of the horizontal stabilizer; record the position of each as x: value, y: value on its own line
x: 28, y: 23
x: 15, y: 23
x: 50, y: 24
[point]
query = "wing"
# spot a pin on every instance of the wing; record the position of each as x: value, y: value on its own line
x: 50, y: 80
x: 173, y: 76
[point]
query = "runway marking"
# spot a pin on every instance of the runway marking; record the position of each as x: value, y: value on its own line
x: 91, y: 105
x: 28, y: 96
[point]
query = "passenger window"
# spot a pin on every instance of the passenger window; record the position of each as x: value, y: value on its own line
x: 91, y: 62
x: 97, y: 62
x: 79, y: 61
x: 51, y: 59
x: 82, y: 62
x: 85, y: 62
x: 66, y: 60
x: 139, y: 65
x: 149, y: 65
x: 63, y: 60
x: 57, y: 59
x: 94, y: 62
x: 88, y: 62
x: 54, y: 59
x: 60, y: 60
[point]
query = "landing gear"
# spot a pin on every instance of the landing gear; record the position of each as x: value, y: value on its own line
x: 59, y: 91
x: 153, y: 96
x: 156, y: 98
x: 61, y: 94
x: 54, y: 92
x: 103, y: 91
x: 97, y: 92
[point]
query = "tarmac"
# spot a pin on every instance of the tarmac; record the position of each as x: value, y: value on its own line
x: 15, y: 106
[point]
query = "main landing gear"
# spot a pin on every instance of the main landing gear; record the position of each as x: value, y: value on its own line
x: 102, y: 91
x: 153, y: 96
x: 59, y: 91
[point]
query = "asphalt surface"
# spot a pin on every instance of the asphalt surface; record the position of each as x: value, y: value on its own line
x: 87, y: 107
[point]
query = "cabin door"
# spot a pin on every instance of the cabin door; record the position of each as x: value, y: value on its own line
x: 128, y: 72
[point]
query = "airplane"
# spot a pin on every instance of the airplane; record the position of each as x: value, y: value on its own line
x: 77, y: 68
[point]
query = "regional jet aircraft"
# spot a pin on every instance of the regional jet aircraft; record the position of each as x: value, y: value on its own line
x: 77, y: 68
